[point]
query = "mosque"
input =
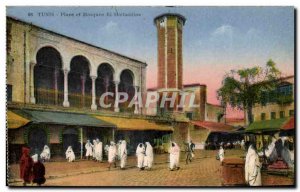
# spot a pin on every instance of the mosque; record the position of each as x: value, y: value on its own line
x: 53, y: 82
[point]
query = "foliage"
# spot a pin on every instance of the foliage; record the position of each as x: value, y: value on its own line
x: 243, y: 88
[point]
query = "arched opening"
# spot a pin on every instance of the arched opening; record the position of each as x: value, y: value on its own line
x: 80, y: 83
x: 126, y: 85
x: 70, y: 138
x: 48, y: 77
x: 104, y: 83
x: 37, y: 139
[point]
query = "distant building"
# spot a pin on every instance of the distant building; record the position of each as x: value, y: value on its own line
x: 275, y: 113
x: 278, y: 103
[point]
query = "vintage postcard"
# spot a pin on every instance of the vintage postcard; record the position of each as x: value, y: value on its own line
x: 150, y: 96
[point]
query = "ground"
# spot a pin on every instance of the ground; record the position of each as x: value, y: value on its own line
x: 204, y: 170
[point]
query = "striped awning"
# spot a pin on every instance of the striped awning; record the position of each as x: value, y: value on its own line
x: 135, y: 124
x: 15, y: 121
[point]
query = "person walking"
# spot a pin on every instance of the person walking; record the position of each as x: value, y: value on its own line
x: 112, y: 153
x: 174, y: 156
x: 26, y: 164
x: 140, y: 154
x: 89, y: 149
x: 252, y: 167
x: 38, y: 171
x: 123, y: 154
x: 149, y: 156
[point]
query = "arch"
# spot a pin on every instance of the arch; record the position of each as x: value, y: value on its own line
x: 48, y: 77
x: 43, y: 45
x: 105, y: 82
x: 128, y: 74
x: 127, y: 85
x: 37, y: 139
x: 70, y: 137
x: 80, y: 82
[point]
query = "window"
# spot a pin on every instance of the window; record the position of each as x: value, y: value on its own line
x: 291, y: 113
x: 263, y: 116
x: 285, y: 90
x: 9, y: 93
x: 273, y: 115
x: 264, y: 98
x: 281, y: 113
x: 189, y: 115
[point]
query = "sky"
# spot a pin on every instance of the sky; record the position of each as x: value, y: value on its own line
x: 215, y: 39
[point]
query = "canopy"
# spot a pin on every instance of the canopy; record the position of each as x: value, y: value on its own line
x: 267, y: 125
x: 62, y: 118
x: 289, y: 125
x: 214, y: 126
x: 135, y: 124
x: 15, y: 121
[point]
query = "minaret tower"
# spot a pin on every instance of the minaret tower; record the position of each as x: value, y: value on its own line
x: 169, y: 36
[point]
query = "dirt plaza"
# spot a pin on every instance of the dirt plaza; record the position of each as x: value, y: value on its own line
x: 204, y: 170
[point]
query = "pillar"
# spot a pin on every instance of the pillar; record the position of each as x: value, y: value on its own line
x: 32, y: 98
x: 93, y: 106
x: 66, y: 92
x: 81, y: 142
x: 136, y: 107
x: 116, y: 106
x: 83, y: 79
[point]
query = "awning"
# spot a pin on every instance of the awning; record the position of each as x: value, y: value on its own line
x: 267, y: 125
x: 289, y: 125
x: 135, y: 124
x: 214, y: 126
x: 15, y: 121
x: 62, y: 118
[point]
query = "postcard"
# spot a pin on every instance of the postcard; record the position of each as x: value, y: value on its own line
x: 185, y: 96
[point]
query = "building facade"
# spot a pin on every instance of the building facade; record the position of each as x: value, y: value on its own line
x: 278, y: 103
x: 54, y: 83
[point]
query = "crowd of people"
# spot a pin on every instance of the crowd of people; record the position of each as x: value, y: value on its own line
x: 32, y: 169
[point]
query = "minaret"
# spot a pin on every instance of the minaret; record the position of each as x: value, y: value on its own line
x: 169, y: 36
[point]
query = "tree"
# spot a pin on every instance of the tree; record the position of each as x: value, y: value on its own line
x: 243, y: 88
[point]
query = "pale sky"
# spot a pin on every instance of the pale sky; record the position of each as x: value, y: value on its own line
x: 215, y: 39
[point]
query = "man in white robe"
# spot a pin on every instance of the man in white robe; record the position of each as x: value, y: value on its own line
x: 243, y: 144
x: 94, y: 149
x: 221, y: 154
x: 123, y: 154
x: 70, y: 156
x: 119, y: 150
x: 252, y: 168
x: 140, y: 153
x: 148, y: 162
x: 174, y: 156
x: 45, y: 155
x: 98, y: 150
x: 112, y: 153
x: 89, y: 149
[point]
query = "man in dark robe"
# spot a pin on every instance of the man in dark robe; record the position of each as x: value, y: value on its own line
x: 26, y: 164
x: 38, y: 171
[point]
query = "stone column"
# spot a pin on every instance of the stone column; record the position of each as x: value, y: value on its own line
x: 93, y: 106
x: 83, y: 79
x: 66, y: 92
x: 136, y: 107
x: 32, y: 98
x: 116, y: 106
